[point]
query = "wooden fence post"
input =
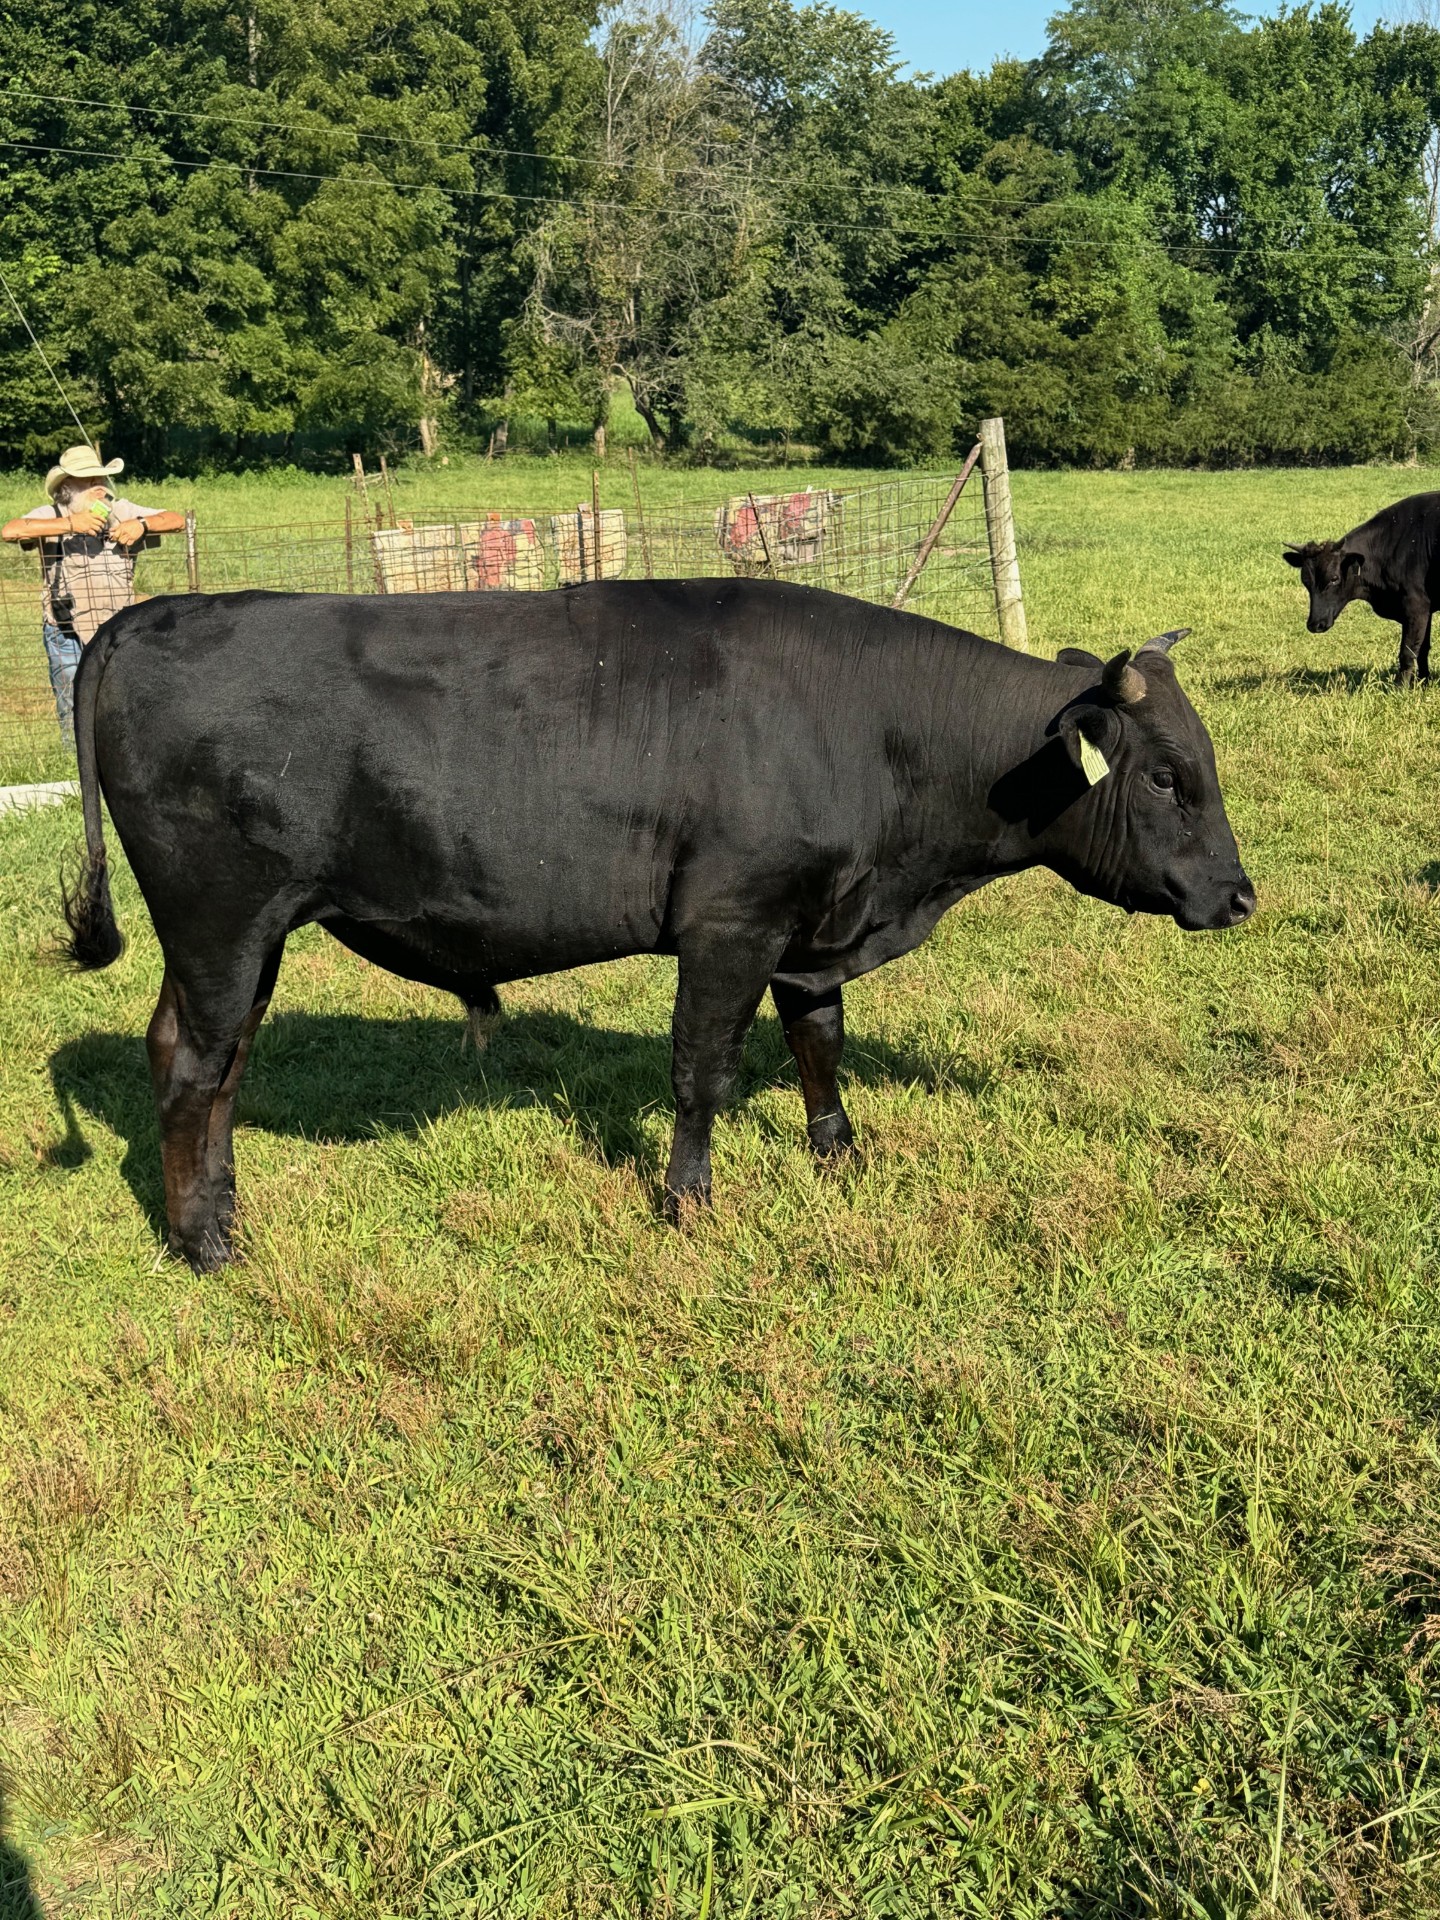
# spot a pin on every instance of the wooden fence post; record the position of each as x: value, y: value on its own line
x: 380, y: 586
x: 599, y: 568
x: 359, y: 460
x: 192, y: 556
x: 1000, y: 525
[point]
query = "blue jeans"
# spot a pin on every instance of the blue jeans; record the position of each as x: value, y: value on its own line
x: 64, y: 652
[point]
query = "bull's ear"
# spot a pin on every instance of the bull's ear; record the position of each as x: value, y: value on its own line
x: 1351, y: 563
x: 1077, y: 657
x: 1163, y: 642
x: 1092, y: 738
x: 1293, y: 557
x: 1123, y: 683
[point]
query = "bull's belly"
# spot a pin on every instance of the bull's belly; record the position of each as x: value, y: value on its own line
x: 480, y: 947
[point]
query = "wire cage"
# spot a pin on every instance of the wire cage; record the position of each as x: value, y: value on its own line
x: 863, y: 541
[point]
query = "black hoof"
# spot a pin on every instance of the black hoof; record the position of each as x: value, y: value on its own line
x: 831, y: 1139
x: 205, y: 1255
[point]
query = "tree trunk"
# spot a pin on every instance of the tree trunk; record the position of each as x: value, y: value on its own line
x: 430, y: 385
x: 648, y: 415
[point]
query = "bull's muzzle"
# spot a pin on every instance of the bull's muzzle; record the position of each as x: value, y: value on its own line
x: 1233, y: 906
x: 1237, y: 908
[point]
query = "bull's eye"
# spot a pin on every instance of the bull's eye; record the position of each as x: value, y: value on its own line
x: 1164, y: 779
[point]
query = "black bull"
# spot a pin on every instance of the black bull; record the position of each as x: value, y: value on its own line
x: 782, y: 787
x: 1393, y: 561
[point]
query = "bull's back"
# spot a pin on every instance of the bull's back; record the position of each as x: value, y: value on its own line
x: 537, y: 768
x: 1402, y: 544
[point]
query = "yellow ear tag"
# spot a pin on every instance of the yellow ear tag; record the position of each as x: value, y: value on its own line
x: 1093, y: 763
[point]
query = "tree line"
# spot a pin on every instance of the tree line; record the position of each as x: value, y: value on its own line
x: 250, y: 229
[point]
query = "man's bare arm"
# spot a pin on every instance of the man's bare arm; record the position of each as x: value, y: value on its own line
x: 82, y: 522
x: 129, y: 531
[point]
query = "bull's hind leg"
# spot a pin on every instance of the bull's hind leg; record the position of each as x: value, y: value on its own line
x: 1414, y: 642
x: 814, y: 1025
x: 198, y: 1041
x: 220, y: 1148
x: 721, y: 985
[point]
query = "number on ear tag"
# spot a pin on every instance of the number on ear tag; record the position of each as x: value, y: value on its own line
x: 1093, y: 763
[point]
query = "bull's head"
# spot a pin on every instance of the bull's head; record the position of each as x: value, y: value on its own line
x: 1331, y: 577
x: 1124, y: 802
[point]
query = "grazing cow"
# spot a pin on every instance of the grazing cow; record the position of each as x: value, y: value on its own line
x: 1393, y: 561
x: 783, y: 787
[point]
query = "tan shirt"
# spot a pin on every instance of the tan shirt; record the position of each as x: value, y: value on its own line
x: 95, y: 576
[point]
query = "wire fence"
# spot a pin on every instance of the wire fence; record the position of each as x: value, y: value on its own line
x: 864, y: 541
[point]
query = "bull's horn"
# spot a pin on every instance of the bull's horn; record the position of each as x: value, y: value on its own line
x: 1163, y: 642
x: 1124, y: 685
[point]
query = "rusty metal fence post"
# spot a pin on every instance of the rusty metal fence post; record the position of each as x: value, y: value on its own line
x: 937, y: 527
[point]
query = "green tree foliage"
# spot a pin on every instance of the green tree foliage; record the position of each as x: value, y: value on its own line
x: 1179, y: 235
x: 1174, y: 238
x: 312, y: 217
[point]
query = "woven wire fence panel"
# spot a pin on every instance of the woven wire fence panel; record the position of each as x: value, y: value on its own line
x: 862, y: 541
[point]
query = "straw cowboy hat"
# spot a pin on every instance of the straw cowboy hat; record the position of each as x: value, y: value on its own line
x: 81, y: 463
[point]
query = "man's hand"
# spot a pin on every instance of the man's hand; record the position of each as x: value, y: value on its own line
x: 129, y: 531
x: 84, y: 521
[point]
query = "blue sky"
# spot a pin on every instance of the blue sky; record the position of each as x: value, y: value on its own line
x: 944, y: 35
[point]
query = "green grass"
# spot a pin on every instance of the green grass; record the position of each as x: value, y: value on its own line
x: 522, y: 482
x: 1039, y: 1520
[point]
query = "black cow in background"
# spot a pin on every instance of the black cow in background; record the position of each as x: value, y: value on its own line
x: 783, y: 787
x: 1393, y: 561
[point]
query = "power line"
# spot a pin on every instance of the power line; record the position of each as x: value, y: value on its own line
x: 475, y: 150
x: 480, y: 151
x: 347, y: 130
x: 425, y: 186
x: 20, y: 312
x: 941, y: 231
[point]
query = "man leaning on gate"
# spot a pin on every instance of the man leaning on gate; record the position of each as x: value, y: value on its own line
x: 88, y: 542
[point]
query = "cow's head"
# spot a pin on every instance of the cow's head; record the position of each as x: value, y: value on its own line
x: 1331, y: 576
x: 1124, y: 802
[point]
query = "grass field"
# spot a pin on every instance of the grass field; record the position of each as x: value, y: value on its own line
x: 1039, y: 1520
x: 531, y: 484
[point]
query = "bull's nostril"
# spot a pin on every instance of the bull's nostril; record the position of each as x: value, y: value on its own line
x: 1242, y: 903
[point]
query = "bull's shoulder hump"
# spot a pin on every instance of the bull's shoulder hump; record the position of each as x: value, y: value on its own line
x: 1424, y: 507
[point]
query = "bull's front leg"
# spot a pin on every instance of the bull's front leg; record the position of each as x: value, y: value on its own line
x: 721, y: 984
x: 1414, y: 642
x: 814, y: 1025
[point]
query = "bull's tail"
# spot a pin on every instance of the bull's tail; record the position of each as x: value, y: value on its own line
x: 95, y: 940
